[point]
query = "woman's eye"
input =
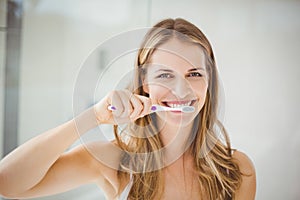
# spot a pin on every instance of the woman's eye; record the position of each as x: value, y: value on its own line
x: 194, y: 74
x: 165, y: 75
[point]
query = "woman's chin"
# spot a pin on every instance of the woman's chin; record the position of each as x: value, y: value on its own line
x: 176, y: 119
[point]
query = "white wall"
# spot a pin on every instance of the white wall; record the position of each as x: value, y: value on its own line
x: 256, y: 46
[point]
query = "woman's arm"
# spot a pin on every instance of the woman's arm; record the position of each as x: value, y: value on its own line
x: 40, y: 167
x: 70, y: 170
x: 247, y: 189
x: 40, y: 160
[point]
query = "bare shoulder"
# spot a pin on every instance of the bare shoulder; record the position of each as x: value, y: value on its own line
x: 245, y: 163
x: 247, y: 189
x: 104, y: 156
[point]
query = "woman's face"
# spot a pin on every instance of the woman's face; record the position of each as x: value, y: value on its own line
x: 176, y: 76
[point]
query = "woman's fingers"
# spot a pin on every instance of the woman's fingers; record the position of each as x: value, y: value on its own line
x: 146, y: 105
x: 129, y: 107
x: 137, y: 105
x: 125, y: 96
x: 134, y: 106
x: 116, y: 101
x: 141, y: 106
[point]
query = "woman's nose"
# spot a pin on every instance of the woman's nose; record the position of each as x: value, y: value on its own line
x: 181, y: 88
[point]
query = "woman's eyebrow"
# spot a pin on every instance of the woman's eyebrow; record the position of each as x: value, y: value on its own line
x: 196, y: 68
x: 190, y: 70
x: 164, y: 70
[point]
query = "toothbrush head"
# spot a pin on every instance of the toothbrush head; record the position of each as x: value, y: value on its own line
x: 188, y: 109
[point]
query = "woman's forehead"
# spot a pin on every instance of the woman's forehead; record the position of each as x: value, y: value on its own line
x: 175, y: 53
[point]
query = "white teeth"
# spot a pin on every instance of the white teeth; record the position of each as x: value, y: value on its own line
x: 172, y: 105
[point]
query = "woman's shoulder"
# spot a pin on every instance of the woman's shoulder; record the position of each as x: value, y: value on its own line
x: 104, y: 157
x: 105, y: 154
x: 245, y: 163
x: 247, y: 189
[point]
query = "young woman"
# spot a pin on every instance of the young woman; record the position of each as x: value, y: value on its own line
x: 158, y: 155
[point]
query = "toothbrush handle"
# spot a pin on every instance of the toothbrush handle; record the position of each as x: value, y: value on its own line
x: 157, y: 108
x: 154, y: 108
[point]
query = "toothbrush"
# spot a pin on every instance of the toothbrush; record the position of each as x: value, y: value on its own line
x: 158, y: 108
x: 185, y: 109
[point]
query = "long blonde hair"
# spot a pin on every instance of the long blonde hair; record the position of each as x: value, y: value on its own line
x: 218, y: 173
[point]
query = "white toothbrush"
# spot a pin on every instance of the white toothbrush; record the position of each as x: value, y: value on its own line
x: 158, y: 108
x: 185, y: 109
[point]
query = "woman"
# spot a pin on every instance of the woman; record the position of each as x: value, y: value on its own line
x: 165, y: 155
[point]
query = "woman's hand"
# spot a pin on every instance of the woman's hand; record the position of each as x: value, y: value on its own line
x: 129, y: 107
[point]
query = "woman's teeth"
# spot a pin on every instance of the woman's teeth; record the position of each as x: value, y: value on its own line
x: 176, y: 105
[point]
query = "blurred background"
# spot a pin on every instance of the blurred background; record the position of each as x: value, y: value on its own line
x: 43, y: 44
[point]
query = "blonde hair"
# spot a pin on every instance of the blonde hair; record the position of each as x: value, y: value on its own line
x: 218, y: 172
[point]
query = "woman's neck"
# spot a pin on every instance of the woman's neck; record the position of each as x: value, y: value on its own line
x: 175, y: 140
x: 170, y: 134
